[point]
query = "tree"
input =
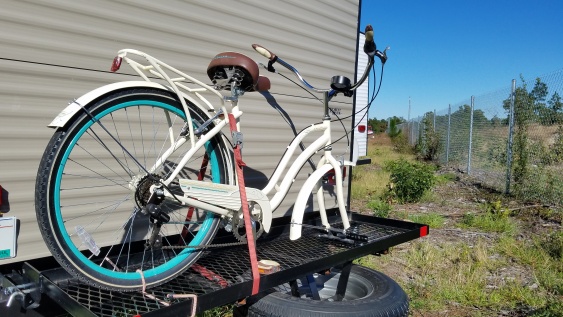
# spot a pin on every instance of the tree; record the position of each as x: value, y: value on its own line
x: 555, y: 102
x: 523, y: 114
x: 393, y: 130
x: 538, y: 95
x: 556, y: 105
x: 539, y: 92
x: 429, y: 142
x: 377, y: 126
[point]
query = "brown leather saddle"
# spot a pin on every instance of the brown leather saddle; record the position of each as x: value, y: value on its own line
x: 230, y: 67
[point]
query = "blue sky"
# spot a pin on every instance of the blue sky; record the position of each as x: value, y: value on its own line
x: 445, y: 51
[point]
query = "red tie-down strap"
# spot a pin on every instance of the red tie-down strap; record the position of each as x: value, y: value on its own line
x: 245, y: 211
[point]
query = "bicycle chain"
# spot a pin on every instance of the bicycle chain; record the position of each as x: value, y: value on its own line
x: 242, y: 240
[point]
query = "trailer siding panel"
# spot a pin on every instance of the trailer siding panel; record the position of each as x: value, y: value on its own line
x: 54, y: 51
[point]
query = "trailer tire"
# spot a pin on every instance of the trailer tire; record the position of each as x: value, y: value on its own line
x: 369, y: 294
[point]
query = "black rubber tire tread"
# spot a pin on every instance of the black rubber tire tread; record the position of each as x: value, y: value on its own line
x: 386, y: 299
x: 44, y: 209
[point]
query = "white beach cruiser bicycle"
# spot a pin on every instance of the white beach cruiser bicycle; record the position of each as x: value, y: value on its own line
x: 163, y: 173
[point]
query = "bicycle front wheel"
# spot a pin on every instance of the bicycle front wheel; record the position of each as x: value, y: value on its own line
x: 93, y: 181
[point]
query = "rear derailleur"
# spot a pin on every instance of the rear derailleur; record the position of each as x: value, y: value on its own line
x: 156, y: 216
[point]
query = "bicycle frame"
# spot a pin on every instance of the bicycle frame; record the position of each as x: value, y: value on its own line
x: 326, y: 163
x: 322, y: 142
x: 180, y: 84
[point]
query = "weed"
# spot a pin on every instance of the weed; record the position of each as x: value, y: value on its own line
x: 488, y: 222
x: 445, y: 178
x: 496, y: 209
x: 553, y: 308
x: 222, y: 311
x: 532, y: 253
x: 380, y: 208
x: 495, y: 218
x: 541, y: 184
x: 553, y: 245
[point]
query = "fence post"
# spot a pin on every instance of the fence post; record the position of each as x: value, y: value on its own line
x: 434, y: 126
x: 411, y: 124
x: 510, y: 137
x: 470, y: 136
x: 421, y: 137
x: 448, y: 137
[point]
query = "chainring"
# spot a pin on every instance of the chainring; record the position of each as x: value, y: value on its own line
x: 239, y: 229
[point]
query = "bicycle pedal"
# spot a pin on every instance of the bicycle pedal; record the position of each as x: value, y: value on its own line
x: 347, y: 238
x: 337, y: 238
x: 357, y: 237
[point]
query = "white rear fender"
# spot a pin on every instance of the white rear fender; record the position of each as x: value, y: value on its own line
x: 72, y: 109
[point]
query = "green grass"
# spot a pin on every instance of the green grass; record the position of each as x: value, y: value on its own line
x: 368, y: 182
x: 379, y: 208
x: 434, y: 220
x: 488, y: 222
x: 371, y: 181
x: 467, y: 276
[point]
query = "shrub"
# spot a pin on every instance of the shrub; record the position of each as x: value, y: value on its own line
x: 401, y: 144
x: 408, y: 181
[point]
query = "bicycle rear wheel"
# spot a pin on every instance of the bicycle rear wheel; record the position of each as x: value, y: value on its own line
x: 94, y: 177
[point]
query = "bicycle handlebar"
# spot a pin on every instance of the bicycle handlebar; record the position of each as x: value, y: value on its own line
x: 369, y: 48
x: 264, y: 52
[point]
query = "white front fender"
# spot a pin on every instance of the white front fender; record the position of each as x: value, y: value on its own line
x: 70, y: 111
x: 301, y: 202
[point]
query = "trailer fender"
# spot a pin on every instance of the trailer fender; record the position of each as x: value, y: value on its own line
x: 74, y: 106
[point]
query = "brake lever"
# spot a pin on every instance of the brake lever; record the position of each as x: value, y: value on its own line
x: 382, y: 55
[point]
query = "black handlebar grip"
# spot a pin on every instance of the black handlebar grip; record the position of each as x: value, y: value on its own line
x: 264, y: 52
x: 369, y: 44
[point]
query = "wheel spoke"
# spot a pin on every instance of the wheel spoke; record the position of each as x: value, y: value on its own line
x: 96, y: 171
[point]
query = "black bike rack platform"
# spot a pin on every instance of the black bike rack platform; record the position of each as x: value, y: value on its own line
x: 223, y: 275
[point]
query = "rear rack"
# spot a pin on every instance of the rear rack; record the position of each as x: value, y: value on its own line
x: 223, y: 276
x: 184, y: 85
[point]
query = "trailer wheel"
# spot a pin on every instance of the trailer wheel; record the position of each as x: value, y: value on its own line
x: 368, y: 294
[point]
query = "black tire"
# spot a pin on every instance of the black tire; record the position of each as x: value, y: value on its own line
x: 88, y: 183
x: 369, y: 294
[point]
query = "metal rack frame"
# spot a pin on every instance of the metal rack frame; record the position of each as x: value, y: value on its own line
x: 223, y: 276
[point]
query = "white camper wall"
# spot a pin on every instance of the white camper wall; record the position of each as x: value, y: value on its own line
x: 362, y: 95
x: 54, y: 51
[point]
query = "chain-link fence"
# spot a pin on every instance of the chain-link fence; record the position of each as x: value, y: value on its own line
x: 510, y: 139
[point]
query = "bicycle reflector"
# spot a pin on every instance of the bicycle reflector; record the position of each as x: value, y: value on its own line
x: 330, y: 177
x: 116, y: 64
